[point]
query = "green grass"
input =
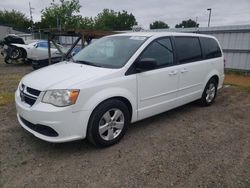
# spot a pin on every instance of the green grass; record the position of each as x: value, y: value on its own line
x: 242, y: 88
x: 6, y: 97
x: 8, y: 81
x: 237, y: 72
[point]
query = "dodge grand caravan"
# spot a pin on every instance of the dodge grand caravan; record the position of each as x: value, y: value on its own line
x: 117, y: 80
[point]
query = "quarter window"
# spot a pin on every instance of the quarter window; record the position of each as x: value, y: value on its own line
x: 211, y: 48
x: 188, y: 49
x: 161, y: 50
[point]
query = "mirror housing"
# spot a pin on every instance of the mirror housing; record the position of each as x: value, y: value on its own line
x: 145, y: 64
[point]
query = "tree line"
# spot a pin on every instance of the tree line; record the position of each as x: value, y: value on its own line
x: 66, y: 14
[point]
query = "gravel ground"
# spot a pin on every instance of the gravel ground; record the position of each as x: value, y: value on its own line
x: 190, y: 146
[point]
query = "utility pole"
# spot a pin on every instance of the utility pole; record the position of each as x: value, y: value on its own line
x: 31, y: 17
x: 209, y: 18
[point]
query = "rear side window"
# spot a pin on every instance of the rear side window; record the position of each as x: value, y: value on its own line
x: 210, y: 47
x: 188, y: 49
x: 161, y: 50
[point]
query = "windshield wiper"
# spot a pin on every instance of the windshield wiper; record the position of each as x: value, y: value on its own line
x: 87, y: 63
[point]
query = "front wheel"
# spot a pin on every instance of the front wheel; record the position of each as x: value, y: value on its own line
x: 15, y: 53
x: 209, y: 93
x: 108, y: 123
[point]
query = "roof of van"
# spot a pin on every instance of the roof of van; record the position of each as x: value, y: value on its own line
x: 160, y: 34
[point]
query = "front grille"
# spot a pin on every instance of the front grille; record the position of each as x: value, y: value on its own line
x: 33, y: 91
x: 28, y: 99
x: 42, y: 129
x: 29, y: 95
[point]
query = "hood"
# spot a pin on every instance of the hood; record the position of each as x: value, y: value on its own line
x: 63, y: 76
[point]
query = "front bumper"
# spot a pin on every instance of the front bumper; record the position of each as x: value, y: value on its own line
x: 68, y: 124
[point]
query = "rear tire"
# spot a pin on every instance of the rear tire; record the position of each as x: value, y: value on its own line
x: 108, y: 123
x: 209, y: 93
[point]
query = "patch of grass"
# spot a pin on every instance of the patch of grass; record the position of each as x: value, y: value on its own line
x: 237, y: 72
x: 10, y: 77
x: 9, y: 81
x: 6, y: 97
x: 243, y: 88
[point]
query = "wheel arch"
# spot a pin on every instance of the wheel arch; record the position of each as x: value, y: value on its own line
x: 213, y: 74
x: 24, y: 52
x: 121, y: 94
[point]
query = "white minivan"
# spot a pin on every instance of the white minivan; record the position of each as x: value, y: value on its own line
x: 118, y: 80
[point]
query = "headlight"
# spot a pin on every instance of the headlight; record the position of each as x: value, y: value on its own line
x: 61, y: 97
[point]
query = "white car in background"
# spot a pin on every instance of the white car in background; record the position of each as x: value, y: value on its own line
x: 33, y: 50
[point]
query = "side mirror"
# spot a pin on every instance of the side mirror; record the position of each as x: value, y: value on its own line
x: 35, y: 45
x: 146, y: 64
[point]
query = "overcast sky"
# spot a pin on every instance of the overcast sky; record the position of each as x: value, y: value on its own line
x: 224, y: 12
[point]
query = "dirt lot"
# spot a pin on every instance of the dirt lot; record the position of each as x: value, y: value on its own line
x: 186, y: 147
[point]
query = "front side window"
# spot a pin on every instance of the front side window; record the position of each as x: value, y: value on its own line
x: 188, y: 49
x: 110, y: 52
x: 161, y: 50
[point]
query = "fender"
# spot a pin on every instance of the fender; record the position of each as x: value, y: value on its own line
x: 212, y: 73
x: 105, y: 94
x: 24, y: 47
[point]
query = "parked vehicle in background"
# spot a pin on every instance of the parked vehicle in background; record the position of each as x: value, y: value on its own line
x: 43, y: 61
x: 117, y: 80
x: 15, y: 48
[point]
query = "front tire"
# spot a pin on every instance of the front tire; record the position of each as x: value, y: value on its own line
x: 108, y: 123
x: 209, y: 93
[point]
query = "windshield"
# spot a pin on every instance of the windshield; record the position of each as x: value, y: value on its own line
x: 109, y: 52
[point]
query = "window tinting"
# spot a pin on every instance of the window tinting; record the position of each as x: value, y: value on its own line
x: 188, y: 49
x: 210, y: 47
x: 160, y: 50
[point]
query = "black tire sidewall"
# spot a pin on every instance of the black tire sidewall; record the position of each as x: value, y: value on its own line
x: 93, y: 125
x: 19, y: 53
x: 203, y: 98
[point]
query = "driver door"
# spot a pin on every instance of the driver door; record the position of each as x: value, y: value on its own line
x: 157, y: 88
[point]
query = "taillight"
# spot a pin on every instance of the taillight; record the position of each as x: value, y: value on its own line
x: 224, y: 63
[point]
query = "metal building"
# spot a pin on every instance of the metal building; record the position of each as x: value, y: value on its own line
x: 235, y: 42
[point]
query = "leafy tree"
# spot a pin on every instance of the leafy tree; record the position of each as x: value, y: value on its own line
x: 87, y: 23
x: 187, y: 23
x: 14, y: 19
x: 125, y: 21
x: 63, y: 14
x: 111, y: 20
x: 106, y: 20
x: 159, y: 25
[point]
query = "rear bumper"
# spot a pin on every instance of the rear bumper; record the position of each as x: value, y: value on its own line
x: 221, y: 81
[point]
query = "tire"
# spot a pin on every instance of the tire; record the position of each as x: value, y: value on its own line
x: 15, y: 53
x: 209, y: 93
x: 108, y: 123
x: 7, y: 60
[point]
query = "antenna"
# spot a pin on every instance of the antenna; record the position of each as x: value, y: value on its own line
x: 31, y: 17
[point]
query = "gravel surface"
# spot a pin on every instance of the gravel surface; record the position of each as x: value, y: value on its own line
x: 190, y: 146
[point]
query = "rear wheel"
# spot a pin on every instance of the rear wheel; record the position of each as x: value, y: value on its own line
x: 209, y: 93
x: 108, y: 123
